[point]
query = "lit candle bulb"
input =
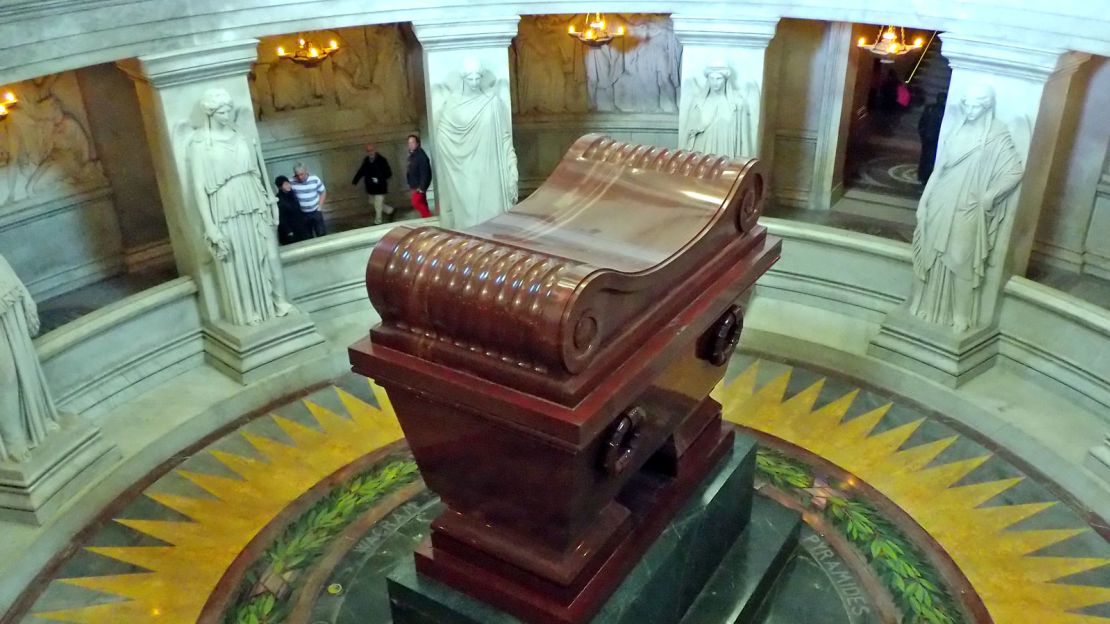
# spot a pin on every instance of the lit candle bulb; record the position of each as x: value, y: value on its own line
x: 281, y: 51
x: 333, y: 44
x: 570, y: 29
x: 313, y: 52
x: 888, y: 35
x: 620, y: 31
x: 3, y: 111
x: 920, y: 41
x: 862, y: 41
x: 300, y: 42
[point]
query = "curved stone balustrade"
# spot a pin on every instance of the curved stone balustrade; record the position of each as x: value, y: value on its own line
x: 821, y: 304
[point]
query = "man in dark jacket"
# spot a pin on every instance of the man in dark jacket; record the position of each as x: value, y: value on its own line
x: 419, y: 176
x: 928, y: 128
x: 290, y: 224
x: 375, y: 174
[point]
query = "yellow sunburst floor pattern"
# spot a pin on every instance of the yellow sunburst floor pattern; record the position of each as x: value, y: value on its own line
x: 1027, y: 556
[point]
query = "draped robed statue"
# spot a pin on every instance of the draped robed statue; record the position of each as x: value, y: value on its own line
x: 719, y: 118
x: 27, y: 413
x: 968, y: 196
x: 238, y: 214
x: 476, y: 176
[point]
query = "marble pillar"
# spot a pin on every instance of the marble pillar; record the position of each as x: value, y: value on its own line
x: 978, y: 214
x: 45, y: 454
x: 469, y: 139
x: 218, y: 198
x: 723, y: 70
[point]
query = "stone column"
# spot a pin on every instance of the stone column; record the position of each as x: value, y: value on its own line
x: 470, y: 141
x: 978, y: 214
x: 723, y: 70
x: 199, y: 121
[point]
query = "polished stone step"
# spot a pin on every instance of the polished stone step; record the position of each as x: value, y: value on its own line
x: 736, y: 591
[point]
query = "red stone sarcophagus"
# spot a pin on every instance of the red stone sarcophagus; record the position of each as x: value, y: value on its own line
x: 551, y: 367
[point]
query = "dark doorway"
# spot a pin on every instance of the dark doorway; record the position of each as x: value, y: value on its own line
x: 885, y: 141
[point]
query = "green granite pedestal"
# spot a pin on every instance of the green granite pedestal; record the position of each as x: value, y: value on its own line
x: 719, y: 556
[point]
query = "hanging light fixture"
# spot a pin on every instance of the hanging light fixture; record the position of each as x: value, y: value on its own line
x: 307, y: 52
x: 890, y: 42
x: 595, y: 32
x: 7, y: 102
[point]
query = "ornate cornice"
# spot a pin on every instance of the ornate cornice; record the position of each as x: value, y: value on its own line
x: 1008, y: 59
x: 461, y: 34
x: 181, y: 67
x: 714, y: 31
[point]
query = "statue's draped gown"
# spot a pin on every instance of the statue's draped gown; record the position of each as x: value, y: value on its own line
x: 956, y: 231
x: 226, y: 173
x: 26, y: 409
x: 477, y: 163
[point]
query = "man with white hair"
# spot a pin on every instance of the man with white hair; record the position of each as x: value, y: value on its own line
x: 960, y: 214
x: 311, y: 193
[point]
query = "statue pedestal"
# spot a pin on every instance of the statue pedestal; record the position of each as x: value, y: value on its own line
x: 933, y: 351
x: 248, y: 353
x: 32, y: 491
x: 719, y: 529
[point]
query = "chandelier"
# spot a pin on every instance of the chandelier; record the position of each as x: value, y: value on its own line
x: 307, y: 53
x: 595, y: 32
x: 890, y: 43
x: 7, y: 101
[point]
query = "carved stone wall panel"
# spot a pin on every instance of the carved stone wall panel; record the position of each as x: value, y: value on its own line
x: 370, y: 74
x: 555, y: 74
x: 46, y: 151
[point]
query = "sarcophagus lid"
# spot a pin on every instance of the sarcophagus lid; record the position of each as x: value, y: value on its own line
x: 549, y: 297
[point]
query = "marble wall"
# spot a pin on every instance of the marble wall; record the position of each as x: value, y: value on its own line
x: 1073, y: 232
x: 371, y: 90
x: 562, y: 89
x: 801, y: 66
x: 53, y: 191
x: 116, y: 126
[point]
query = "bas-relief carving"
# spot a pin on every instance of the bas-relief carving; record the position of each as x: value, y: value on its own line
x: 554, y: 73
x: 27, y: 413
x: 45, y: 146
x: 720, y: 117
x: 962, y: 207
x: 549, y: 67
x: 476, y: 171
x: 238, y: 214
x: 369, y: 73
x: 638, y: 73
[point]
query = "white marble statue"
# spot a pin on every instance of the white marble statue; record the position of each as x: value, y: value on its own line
x: 720, y: 119
x: 964, y: 203
x: 27, y: 413
x: 238, y: 213
x: 476, y: 171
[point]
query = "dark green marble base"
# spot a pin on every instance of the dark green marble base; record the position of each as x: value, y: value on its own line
x: 686, y: 560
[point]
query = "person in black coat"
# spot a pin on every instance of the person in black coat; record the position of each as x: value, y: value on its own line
x: 375, y: 174
x: 290, y: 224
x: 419, y: 176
